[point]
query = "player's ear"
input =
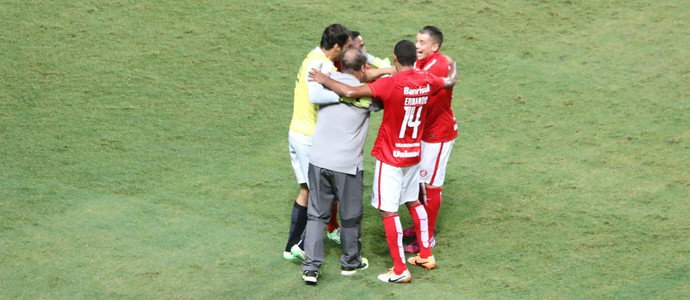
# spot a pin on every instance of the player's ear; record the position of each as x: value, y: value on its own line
x: 435, y: 47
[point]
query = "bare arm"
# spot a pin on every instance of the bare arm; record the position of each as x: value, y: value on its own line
x: 373, y: 74
x: 452, y: 77
x: 450, y: 60
x: 340, y: 88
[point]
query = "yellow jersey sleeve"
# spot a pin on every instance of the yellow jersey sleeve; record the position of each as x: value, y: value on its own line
x: 303, y: 111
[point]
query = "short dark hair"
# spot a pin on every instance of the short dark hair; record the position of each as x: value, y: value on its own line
x: 434, y: 33
x: 353, y: 60
x: 406, y: 52
x: 334, y: 34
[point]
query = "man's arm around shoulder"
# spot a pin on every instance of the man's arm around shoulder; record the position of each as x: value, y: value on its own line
x: 340, y: 88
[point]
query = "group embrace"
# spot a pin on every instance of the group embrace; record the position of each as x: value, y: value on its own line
x: 338, y: 86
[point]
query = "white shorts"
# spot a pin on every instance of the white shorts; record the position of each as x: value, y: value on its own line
x: 434, y: 160
x: 299, y: 145
x: 394, y: 186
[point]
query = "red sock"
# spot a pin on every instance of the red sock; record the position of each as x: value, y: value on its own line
x: 433, y: 204
x: 393, y: 229
x: 333, y: 222
x: 421, y: 227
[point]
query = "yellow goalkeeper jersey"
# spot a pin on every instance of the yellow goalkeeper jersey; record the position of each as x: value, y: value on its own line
x: 303, y: 111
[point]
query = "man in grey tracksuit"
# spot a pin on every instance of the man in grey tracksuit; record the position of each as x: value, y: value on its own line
x: 336, y: 171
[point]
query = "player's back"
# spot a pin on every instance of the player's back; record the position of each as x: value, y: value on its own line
x: 404, y: 97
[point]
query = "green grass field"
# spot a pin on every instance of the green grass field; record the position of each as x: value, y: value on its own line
x: 143, y: 149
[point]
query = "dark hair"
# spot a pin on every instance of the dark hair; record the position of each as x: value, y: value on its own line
x: 353, y: 60
x: 406, y: 52
x: 334, y: 34
x: 434, y: 33
x: 354, y: 34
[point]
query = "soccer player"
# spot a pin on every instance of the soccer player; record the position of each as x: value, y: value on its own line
x: 397, y: 150
x: 334, y: 40
x: 440, y: 130
x: 336, y: 163
x: 376, y: 67
x: 380, y: 67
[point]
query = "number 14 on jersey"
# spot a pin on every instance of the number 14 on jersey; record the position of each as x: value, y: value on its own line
x: 412, y: 118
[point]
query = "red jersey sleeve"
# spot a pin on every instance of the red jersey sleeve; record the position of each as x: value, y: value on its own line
x: 437, y: 84
x: 381, y: 88
x: 441, y: 125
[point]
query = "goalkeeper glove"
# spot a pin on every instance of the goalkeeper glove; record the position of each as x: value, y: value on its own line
x: 358, y: 102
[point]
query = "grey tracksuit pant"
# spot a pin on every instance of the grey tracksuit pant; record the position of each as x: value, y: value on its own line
x: 325, y: 187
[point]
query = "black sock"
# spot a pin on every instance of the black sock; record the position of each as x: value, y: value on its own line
x: 298, y: 221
